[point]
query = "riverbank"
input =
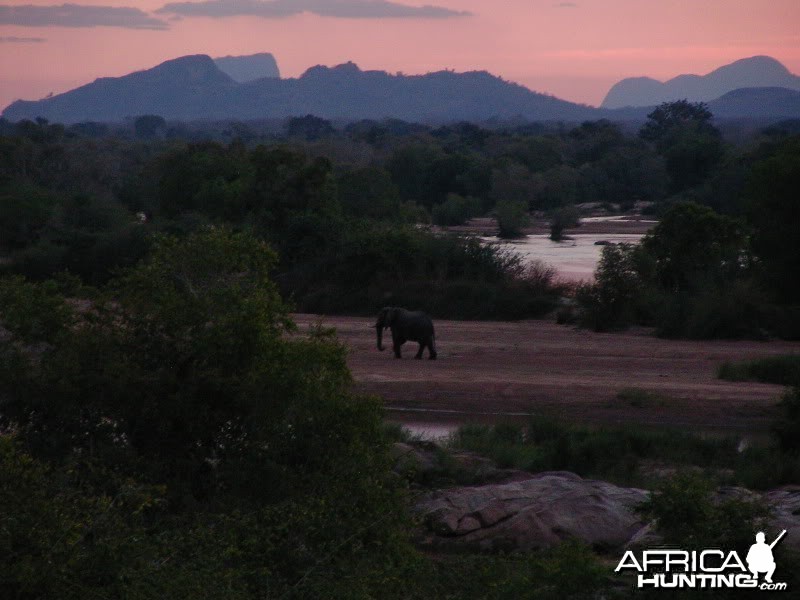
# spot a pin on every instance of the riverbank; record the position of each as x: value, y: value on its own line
x: 490, y: 372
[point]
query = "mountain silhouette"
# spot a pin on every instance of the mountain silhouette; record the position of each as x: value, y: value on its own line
x: 194, y: 87
x: 754, y: 72
x: 757, y: 103
x: 191, y: 87
x: 248, y: 68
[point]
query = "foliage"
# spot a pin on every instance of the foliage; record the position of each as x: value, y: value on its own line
x: 689, y: 277
x: 455, y: 210
x: 512, y: 216
x: 618, y: 454
x: 149, y: 126
x: 369, y: 192
x: 787, y: 427
x: 561, y: 219
x: 189, y: 376
x: 683, y: 134
x: 309, y: 127
x: 615, y: 297
x: 781, y: 370
x: 90, y: 198
x: 774, y: 209
x: 692, y: 242
x: 33, y: 313
x: 686, y: 514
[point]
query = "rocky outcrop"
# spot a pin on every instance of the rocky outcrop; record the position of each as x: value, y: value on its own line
x: 536, y: 513
x: 545, y: 509
x: 249, y: 68
x: 785, y: 503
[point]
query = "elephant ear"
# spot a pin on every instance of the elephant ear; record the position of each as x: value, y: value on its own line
x: 391, y: 316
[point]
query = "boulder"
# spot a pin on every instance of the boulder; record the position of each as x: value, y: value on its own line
x: 785, y: 503
x: 535, y: 513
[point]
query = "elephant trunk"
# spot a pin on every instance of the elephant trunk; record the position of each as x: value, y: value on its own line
x: 379, y: 330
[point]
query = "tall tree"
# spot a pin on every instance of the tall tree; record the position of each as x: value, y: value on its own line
x: 683, y: 133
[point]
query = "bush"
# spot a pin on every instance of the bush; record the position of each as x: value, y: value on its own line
x: 611, y: 453
x: 686, y: 514
x: 512, y: 216
x: 781, y: 370
x: 455, y: 210
x: 273, y: 477
x: 561, y: 219
x: 787, y: 428
x: 616, y: 297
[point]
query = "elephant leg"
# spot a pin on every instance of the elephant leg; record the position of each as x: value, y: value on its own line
x: 397, y: 342
x: 419, y: 352
x: 431, y: 351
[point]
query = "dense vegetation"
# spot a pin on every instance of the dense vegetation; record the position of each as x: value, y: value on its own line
x: 348, y: 208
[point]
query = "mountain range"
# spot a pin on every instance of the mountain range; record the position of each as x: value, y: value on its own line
x: 194, y: 87
x: 248, y: 68
x: 201, y: 88
x: 753, y: 72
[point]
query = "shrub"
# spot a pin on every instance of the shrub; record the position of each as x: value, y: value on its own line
x: 455, y: 210
x: 614, y: 300
x: 561, y: 219
x: 686, y: 514
x: 781, y: 370
x: 512, y: 216
x: 787, y: 428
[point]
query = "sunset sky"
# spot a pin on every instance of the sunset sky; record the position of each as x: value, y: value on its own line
x: 574, y: 50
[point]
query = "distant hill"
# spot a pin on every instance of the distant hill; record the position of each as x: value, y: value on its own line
x: 248, y: 68
x: 754, y: 72
x: 194, y: 87
x: 191, y: 87
x: 758, y: 103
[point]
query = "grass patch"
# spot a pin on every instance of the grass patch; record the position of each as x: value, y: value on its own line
x: 624, y: 455
x: 782, y: 370
x: 639, y: 398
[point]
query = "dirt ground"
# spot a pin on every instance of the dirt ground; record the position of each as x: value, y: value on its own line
x: 497, y: 371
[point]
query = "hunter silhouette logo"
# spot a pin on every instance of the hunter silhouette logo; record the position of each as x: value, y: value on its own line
x: 710, y: 568
x: 759, y: 557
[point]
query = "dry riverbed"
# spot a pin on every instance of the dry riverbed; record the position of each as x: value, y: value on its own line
x: 495, y: 371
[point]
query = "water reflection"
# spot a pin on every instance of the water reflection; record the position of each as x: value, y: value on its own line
x: 574, y: 259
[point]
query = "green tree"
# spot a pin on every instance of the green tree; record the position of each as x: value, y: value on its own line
x: 774, y: 211
x: 682, y: 132
x: 614, y: 299
x: 456, y: 210
x: 149, y: 126
x: 309, y: 127
x: 368, y: 192
x: 191, y: 377
x: 512, y: 216
x: 561, y: 219
x: 24, y: 211
x: 692, y: 245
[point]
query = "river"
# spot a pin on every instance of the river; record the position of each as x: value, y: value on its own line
x: 574, y: 259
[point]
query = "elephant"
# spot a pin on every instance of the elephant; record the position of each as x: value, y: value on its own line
x: 406, y: 325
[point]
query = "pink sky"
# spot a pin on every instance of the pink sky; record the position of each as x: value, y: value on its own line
x: 574, y: 50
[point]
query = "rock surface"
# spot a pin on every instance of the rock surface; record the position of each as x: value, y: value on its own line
x: 546, y: 509
x: 536, y: 513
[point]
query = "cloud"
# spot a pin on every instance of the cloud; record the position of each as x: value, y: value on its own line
x: 276, y: 9
x: 12, y: 39
x: 78, y: 15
